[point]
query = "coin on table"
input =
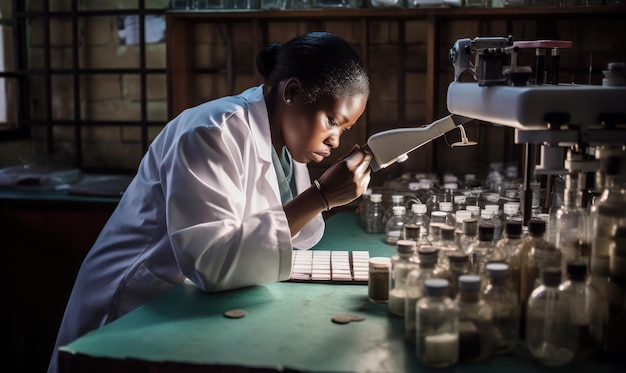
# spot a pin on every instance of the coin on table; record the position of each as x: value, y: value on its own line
x: 346, y: 318
x: 235, y: 314
x: 356, y: 317
x: 341, y: 319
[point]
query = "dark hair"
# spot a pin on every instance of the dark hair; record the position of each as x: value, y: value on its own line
x: 325, y: 64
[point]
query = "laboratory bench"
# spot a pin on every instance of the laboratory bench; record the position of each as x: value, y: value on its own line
x: 287, y: 328
x: 45, y: 236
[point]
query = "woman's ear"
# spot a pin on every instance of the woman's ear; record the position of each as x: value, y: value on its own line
x: 291, y: 89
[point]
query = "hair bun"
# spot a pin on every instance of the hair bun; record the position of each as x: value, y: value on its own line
x: 266, y: 59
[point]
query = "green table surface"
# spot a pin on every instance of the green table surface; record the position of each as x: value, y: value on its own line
x: 288, y: 327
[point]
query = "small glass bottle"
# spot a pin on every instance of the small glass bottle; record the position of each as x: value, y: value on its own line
x: 378, y: 280
x: 401, y: 264
x: 437, y: 331
x: 575, y: 291
x: 616, y: 343
x: 497, y: 220
x: 548, y: 334
x: 610, y: 208
x: 509, y: 245
x: 481, y: 250
x: 598, y: 284
x: 363, y: 203
x: 435, y: 232
x: 541, y: 255
x: 394, y: 228
x: 374, y: 214
x: 459, y: 266
x: 396, y: 200
x: 504, y: 303
x: 413, y: 232
x: 475, y: 321
x: 512, y: 212
x: 414, y: 284
x: 529, y: 272
x: 572, y: 224
x: 470, y: 233
x: 420, y: 217
x: 459, y: 216
x: 447, y: 207
x: 447, y: 245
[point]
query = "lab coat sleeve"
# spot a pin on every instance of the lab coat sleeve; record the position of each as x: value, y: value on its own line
x: 221, y: 242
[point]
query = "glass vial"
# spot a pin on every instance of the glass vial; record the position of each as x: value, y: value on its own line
x: 480, y: 251
x: 401, y: 264
x: 572, y: 224
x: 394, y: 229
x: 547, y: 329
x: 437, y: 331
x: 475, y: 321
x: 363, y: 203
x: 378, y: 280
x: 420, y: 217
x: 374, y: 214
x: 575, y: 291
x: 504, y: 303
x: 427, y: 258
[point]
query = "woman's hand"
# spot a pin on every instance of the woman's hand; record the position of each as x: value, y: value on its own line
x: 347, y: 178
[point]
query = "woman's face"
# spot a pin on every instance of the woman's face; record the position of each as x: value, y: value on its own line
x: 311, y: 131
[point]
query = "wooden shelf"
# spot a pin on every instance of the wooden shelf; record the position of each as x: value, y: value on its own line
x: 395, y: 13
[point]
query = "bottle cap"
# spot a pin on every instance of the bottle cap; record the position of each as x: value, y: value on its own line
x: 485, y: 232
x: 469, y: 282
x: 399, y: 210
x: 486, y: 214
x: 412, y: 231
x: 576, y: 270
x: 457, y: 257
x: 379, y: 262
x: 497, y: 270
x: 511, y: 208
x: 470, y: 227
x: 440, y: 215
x: 436, y: 287
x: 405, y: 246
x: 419, y: 208
x: 376, y: 197
x: 447, y: 232
x: 473, y: 209
x: 551, y: 276
x: 427, y: 253
x: 536, y: 227
x: 445, y: 206
x: 513, y: 228
x: 397, y: 198
x: 462, y: 215
x: 495, y: 208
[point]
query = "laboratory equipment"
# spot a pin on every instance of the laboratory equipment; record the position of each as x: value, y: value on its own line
x: 415, y: 279
x: 401, y: 264
x: 475, y: 321
x: 505, y: 306
x: 437, y: 330
x: 548, y: 333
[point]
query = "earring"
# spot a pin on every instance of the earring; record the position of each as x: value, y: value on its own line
x: 288, y: 100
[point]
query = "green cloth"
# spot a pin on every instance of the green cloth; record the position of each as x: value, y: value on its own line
x: 284, y: 172
x: 288, y: 326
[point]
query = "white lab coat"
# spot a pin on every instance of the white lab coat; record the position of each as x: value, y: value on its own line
x: 204, y: 205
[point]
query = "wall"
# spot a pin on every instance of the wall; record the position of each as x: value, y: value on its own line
x: 116, y: 97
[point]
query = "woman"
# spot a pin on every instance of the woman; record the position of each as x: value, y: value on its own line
x: 223, y: 194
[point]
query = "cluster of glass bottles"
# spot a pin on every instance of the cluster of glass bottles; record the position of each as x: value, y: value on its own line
x: 574, y: 256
